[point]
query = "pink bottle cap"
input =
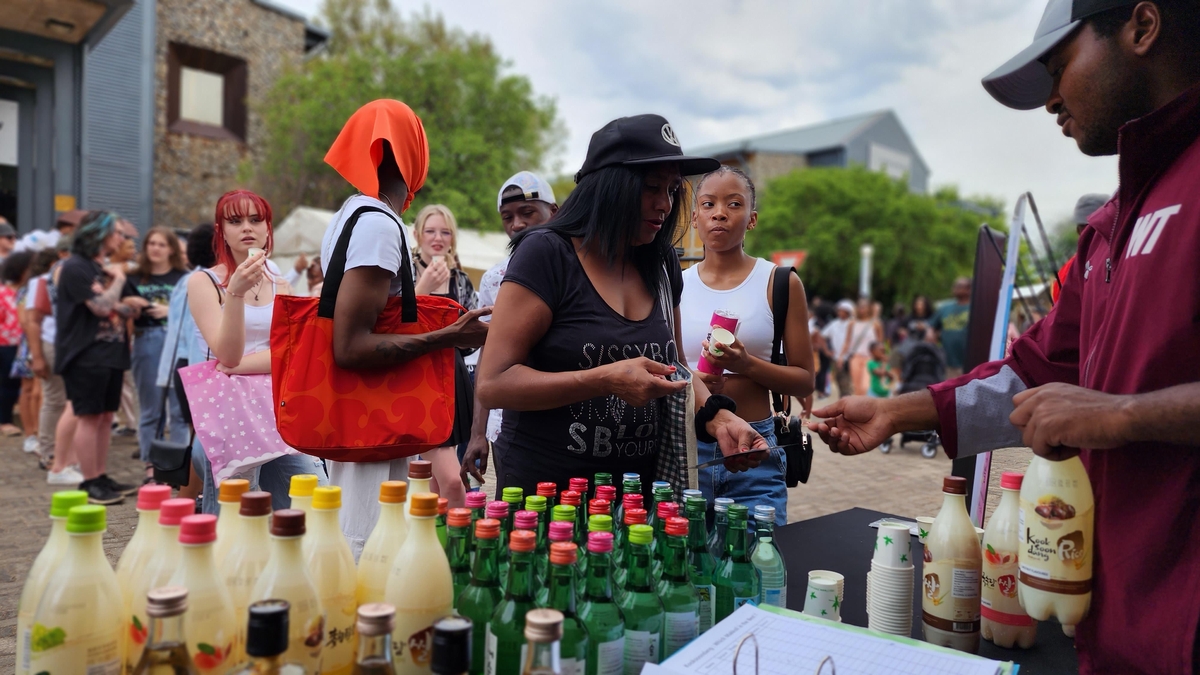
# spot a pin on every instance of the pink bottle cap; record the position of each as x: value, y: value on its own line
x: 497, y: 510
x: 172, y: 511
x: 476, y: 500
x: 1011, y: 480
x: 600, y: 542
x: 562, y: 531
x: 608, y: 492
x: 525, y: 520
x: 151, y: 497
x: 667, y: 510
x: 199, y: 529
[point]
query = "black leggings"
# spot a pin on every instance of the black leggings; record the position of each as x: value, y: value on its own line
x: 10, y: 387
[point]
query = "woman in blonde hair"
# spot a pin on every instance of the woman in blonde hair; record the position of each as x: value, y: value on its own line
x: 439, y: 272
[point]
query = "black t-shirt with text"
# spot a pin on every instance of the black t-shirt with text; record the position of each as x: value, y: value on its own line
x: 600, y: 434
x: 83, y: 338
x: 156, y: 288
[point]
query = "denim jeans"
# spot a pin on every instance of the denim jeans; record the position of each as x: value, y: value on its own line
x: 763, y: 485
x: 275, y: 477
x: 147, y: 348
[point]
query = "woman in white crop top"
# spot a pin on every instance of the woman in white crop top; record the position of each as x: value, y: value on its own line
x: 232, y: 304
x: 731, y: 280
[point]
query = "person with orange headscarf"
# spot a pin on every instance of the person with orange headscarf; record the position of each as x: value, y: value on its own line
x: 381, y: 151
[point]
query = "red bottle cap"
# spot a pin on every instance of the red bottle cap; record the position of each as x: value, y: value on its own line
x: 200, y: 529
x: 677, y: 527
x: 570, y: 497
x: 487, y: 528
x: 608, y: 492
x: 667, y: 510
x: 579, y: 485
x: 151, y: 497
x: 420, y: 468
x: 635, y: 516
x: 525, y: 520
x: 600, y: 542
x: 255, y: 504
x: 172, y: 511
x: 459, y: 518
x: 522, y: 540
x: 1010, y: 480
x: 476, y: 500
x: 497, y: 510
x: 562, y: 531
x: 547, y: 489
x: 287, y: 523
x: 563, y: 553
x: 443, y: 506
x: 955, y: 485
x: 633, y: 500
x: 598, y: 507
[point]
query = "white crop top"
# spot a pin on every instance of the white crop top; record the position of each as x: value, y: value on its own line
x: 257, y: 320
x: 748, y: 300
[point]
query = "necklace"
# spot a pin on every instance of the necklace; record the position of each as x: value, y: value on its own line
x: 389, y: 202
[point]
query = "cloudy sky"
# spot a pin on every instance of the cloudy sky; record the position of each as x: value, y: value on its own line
x: 725, y: 69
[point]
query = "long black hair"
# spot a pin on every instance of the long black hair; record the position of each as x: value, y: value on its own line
x: 605, y: 211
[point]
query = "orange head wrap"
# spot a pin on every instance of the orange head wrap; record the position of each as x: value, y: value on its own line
x: 358, y: 149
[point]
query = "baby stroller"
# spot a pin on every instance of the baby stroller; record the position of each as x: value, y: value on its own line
x: 924, y: 364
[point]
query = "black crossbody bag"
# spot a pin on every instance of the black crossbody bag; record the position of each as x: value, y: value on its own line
x: 789, y: 430
x: 172, y: 461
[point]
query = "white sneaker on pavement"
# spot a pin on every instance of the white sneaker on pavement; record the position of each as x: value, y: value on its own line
x: 67, y: 476
x: 31, y: 444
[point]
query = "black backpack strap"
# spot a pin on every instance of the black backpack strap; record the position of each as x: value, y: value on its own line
x: 780, y: 298
x: 337, y: 268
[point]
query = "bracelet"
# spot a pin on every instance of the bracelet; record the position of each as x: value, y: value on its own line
x: 234, y: 295
x: 704, y: 415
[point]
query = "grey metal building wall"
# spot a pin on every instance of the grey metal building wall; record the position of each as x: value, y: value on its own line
x: 888, y: 132
x: 118, y: 118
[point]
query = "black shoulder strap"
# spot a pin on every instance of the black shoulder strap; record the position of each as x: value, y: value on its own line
x: 780, y: 298
x: 337, y: 268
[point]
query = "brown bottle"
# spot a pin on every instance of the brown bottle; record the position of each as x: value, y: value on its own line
x: 166, y: 648
x: 375, y: 623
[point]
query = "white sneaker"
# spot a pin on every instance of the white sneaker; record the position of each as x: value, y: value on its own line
x: 31, y: 444
x: 67, y: 476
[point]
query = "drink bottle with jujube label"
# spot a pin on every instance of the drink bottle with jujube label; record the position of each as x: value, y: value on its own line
x: 950, y: 581
x: 209, y: 624
x: 1057, y: 546
x: 420, y: 587
x: 375, y: 561
x: 331, y: 566
x: 247, y: 557
x: 229, y: 502
x: 1002, y: 620
x: 286, y: 578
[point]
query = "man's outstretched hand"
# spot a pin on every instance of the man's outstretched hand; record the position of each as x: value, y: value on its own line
x: 853, y: 425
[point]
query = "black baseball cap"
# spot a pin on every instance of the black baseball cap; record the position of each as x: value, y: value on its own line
x: 1024, y: 83
x: 637, y: 140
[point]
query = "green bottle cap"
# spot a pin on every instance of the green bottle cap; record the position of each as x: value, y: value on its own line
x: 86, y: 518
x: 664, y: 493
x: 512, y: 495
x: 562, y: 514
x: 535, y: 503
x: 61, y: 502
x: 604, y: 479
x: 641, y: 534
x: 738, y: 513
x: 695, y: 505
x: 600, y: 523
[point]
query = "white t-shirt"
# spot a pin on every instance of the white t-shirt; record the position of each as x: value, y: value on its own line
x: 376, y: 242
x: 49, y: 325
x: 489, y: 287
x: 835, y: 335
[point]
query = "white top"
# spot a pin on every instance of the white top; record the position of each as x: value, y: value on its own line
x: 835, y: 334
x: 489, y: 287
x: 376, y: 241
x: 862, y: 334
x: 49, y: 325
x: 257, y: 319
x: 748, y: 300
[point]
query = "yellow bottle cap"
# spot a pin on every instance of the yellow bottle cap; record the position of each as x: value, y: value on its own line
x: 423, y: 504
x: 302, y: 485
x: 393, y: 492
x: 232, y: 489
x: 327, y: 497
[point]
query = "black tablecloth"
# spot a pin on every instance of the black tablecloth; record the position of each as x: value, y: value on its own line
x: 844, y: 542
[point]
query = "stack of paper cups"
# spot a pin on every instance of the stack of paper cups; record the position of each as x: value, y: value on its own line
x: 821, y: 599
x: 890, y: 581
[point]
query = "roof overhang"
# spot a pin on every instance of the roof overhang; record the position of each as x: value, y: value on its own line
x: 70, y: 21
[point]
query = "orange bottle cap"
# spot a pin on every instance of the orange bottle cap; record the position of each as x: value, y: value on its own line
x: 443, y: 506
x: 459, y: 518
x: 393, y: 492
x: 487, y: 528
x: 563, y: 553
x: 522, y: 540
x: 231, y: 490
x: 423, y: 504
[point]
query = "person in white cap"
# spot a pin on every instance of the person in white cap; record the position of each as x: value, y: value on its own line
x: 835, y: 338
x: 1112, y: 374
x: 524, y: 202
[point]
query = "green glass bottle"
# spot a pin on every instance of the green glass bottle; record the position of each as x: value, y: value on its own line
x: 680, y: 600
x: 537, y: 504
x: 600, y: 614
x: 573, y: 499
x: 499, y: 511
x: 548, y: 491
x: 640, y: 606
x: 700, y: 561
x: 512, y: 497
x: 443, y: 509
x: 665, y: 510
x: 477, y: 502
x: 772, y: 570
x: 506, y: 630
x: 661, y: 492
x: 716, y: 538
x: 631, y: 484
x: 736, y: 578
x: 458, y: 547
x: 478, y: 600
x: 561, y: 532
x: 630, y: 500
x: 601, y: 479
x: 621, y: 548
x: 561, y: 595
x: 596, y: 523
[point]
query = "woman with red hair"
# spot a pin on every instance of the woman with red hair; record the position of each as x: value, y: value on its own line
x: 232, y: 304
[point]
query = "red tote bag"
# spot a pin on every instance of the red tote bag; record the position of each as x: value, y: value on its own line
x: 360, y: 415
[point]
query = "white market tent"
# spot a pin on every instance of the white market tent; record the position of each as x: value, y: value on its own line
x: 302, y: 230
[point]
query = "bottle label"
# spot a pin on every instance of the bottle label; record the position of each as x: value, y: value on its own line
x: 706, y: 593
x: 641, y: 647
x: 776, y: 597
x: 337, y: 654
x: 610, y: 657
x: 495, y: 655
x: 681, y: 628
x: 999, y: 595
x: 950, y: 595
x: 53, y: 651
x: 738, y: 602
x: 1056, y: 546
x: 573, y: 666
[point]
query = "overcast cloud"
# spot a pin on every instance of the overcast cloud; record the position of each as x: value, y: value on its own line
x: 723, y: 70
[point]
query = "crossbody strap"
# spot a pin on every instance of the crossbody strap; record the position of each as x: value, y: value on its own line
x: 337, y: 269
x: 780, y: 299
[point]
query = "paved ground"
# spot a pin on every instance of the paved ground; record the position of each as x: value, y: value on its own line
x: 903, y: 483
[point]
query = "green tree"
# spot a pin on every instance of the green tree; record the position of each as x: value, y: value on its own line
x: 922, y: 242
x: 483, y: 123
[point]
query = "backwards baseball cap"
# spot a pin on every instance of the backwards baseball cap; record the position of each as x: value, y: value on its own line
x: 1087, y: 205
x: 1024, y: 83
x: 637, y: 140
x: 533, y: 188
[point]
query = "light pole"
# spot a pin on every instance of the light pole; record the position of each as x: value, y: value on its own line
x: 864, y: 271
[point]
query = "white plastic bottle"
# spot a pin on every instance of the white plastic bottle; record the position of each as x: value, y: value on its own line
x: 286, y: 578
x: 301, y: 491
x: 375, y: 562
x: 1057, y: 546
x: 229, y: 502
x: 159, y: 568
x: 248, y: 555
x: 209, y: 624
x: 420, y: 588
x: 1002, y: 620
x: 951, y: 574
x: 331, y: 567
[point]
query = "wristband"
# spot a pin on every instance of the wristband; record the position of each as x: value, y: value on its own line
x: 705, y: 414
x: 234, y: 295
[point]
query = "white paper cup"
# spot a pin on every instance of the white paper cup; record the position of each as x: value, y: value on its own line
x: 821, y: 599
x: 838, y: 578
x: 893, y: 546
x: 256, y: 251
x: 721, y: 335
x: 437, y: 258
x: 924, y: 524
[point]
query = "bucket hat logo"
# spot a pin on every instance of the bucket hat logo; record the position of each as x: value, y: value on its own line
x: 669, y: 136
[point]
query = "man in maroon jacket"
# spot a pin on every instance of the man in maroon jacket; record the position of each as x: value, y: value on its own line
x: 1113, y: 372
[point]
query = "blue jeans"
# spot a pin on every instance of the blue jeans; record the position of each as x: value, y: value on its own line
x: 148, y: 345
x: 764, y: 485
x: 275, y: 477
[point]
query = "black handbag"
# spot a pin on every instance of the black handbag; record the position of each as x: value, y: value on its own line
x: 789, y: 430
x: 171, y: 460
